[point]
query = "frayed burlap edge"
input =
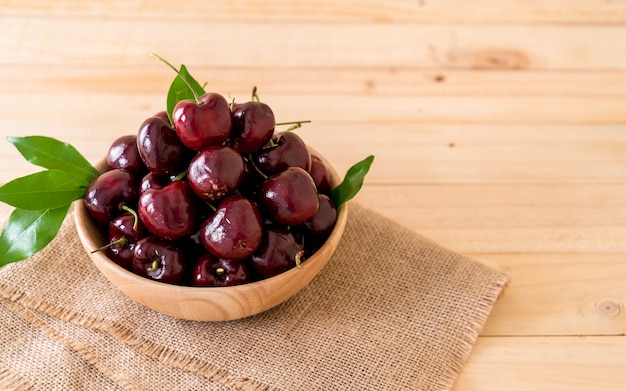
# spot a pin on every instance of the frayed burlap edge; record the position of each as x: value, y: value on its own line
x: 472, y: 331
x: 123, y: 334
x: 12, y: 382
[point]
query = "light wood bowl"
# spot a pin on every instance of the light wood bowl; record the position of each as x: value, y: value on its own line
x: 209, y: 304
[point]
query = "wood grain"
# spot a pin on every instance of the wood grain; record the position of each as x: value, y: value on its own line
x: 499, y: 130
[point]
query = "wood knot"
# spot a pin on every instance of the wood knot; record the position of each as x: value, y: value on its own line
x: 603, y: 307
x: 489, y: 59
x: 609, y: 308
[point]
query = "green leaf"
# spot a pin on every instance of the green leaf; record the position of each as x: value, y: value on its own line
x: 48, y: 189
x: 179, y: 90
x: 352, y: 182
x: 50, y: 153
x: 29, y: 231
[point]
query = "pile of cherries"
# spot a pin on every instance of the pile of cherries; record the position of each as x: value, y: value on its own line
x: 214, y: 197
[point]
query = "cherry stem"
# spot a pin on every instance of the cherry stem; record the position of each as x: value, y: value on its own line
x: 256, y: 167
x: 154, y: 266
x: 293, y: 123
x: 130, y: 210
x: 299, y: 255
x: 182, y: 77
x: 120, y: 241
x: 211, y: 205
x: 180, y: 176
x: 255, y: 96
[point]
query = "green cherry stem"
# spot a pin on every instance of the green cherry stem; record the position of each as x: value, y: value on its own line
x: 256, y: 167
x: 126, y: 208
x: 120, y: 241
x: 183, y: 78
x: 255, y: 96
x: 295, y: 124
x: 180, y: 176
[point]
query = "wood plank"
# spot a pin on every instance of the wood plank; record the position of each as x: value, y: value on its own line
x: 389, y: 81
x: 42, y: 40
x: 545, y: 364
x: 508, y: 218
x: 559, y: 294
x: 379, y: 11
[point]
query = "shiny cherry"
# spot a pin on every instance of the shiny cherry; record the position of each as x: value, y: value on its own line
x: 123, y: 154
x: 324, y: 220
x: 278, y: 253
x: 159, y: 260
x: 215, y: 172
x: 212, y: 271
x: 125, y: 231
x: 106, y: 193
x: 202, y: 123
x: 252, y: 126
x: 286, y: 150
x: 160, y: 149
x: 289, y: 197
x: 171, y: 212
x: 234, y: 231
x: 319, y: 173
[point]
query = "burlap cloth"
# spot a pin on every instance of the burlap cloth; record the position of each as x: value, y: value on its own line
x: 391, y: 311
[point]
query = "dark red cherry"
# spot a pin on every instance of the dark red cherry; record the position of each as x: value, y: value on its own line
x: 106, y: 193
x: 319, y: 173
x: 212, y: 271
x: 125, y: 231
x: 200, y: 125
x: 159, y: 260
x: 289, y: 197
x: 215, y: 172
x: 153, y: 181
x: 234, y: 231
x: 163, y: 115
x: 171, y: 212
x: 252, y: 126
x: 123, y: 154
x: 160, y: 149
x: 324, y: 220
x: 287, y: 149
x: 278, y: 253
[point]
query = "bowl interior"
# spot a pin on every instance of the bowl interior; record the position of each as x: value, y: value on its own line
x: 208, y: 303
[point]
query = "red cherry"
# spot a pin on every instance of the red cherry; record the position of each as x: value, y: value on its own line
x: 204, y: 123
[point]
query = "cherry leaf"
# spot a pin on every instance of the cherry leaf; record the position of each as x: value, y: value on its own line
x: 181, y: 88
x: 48, y: 189
x: 50, y: 153
x: 29, y: 231
x: 352, y: 182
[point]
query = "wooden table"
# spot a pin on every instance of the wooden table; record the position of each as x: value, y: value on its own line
x: 499, y: 130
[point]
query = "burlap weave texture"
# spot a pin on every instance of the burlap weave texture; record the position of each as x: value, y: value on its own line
x: 391, y: 311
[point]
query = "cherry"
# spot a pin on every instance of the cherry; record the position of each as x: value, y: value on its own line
x: 125, y: 231
x: 171, y: 212
x: 160, y: 149
x: 106, y: 193
x: 163, y: 115
x: 152, y: 181
x: 289, y: 197
x: 234, y: 231
x: 215, y: 172
x: 252, y: 126
x: 278, y: 253
x: 204, y: 122
x: 324, y: 220
x: 212, y: 271
x: 319, y: 173
x: 123, y: 154
x: 159, y: 260
x: 286, y: 149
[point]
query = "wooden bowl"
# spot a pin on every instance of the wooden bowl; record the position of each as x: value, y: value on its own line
x: 208, y: 303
